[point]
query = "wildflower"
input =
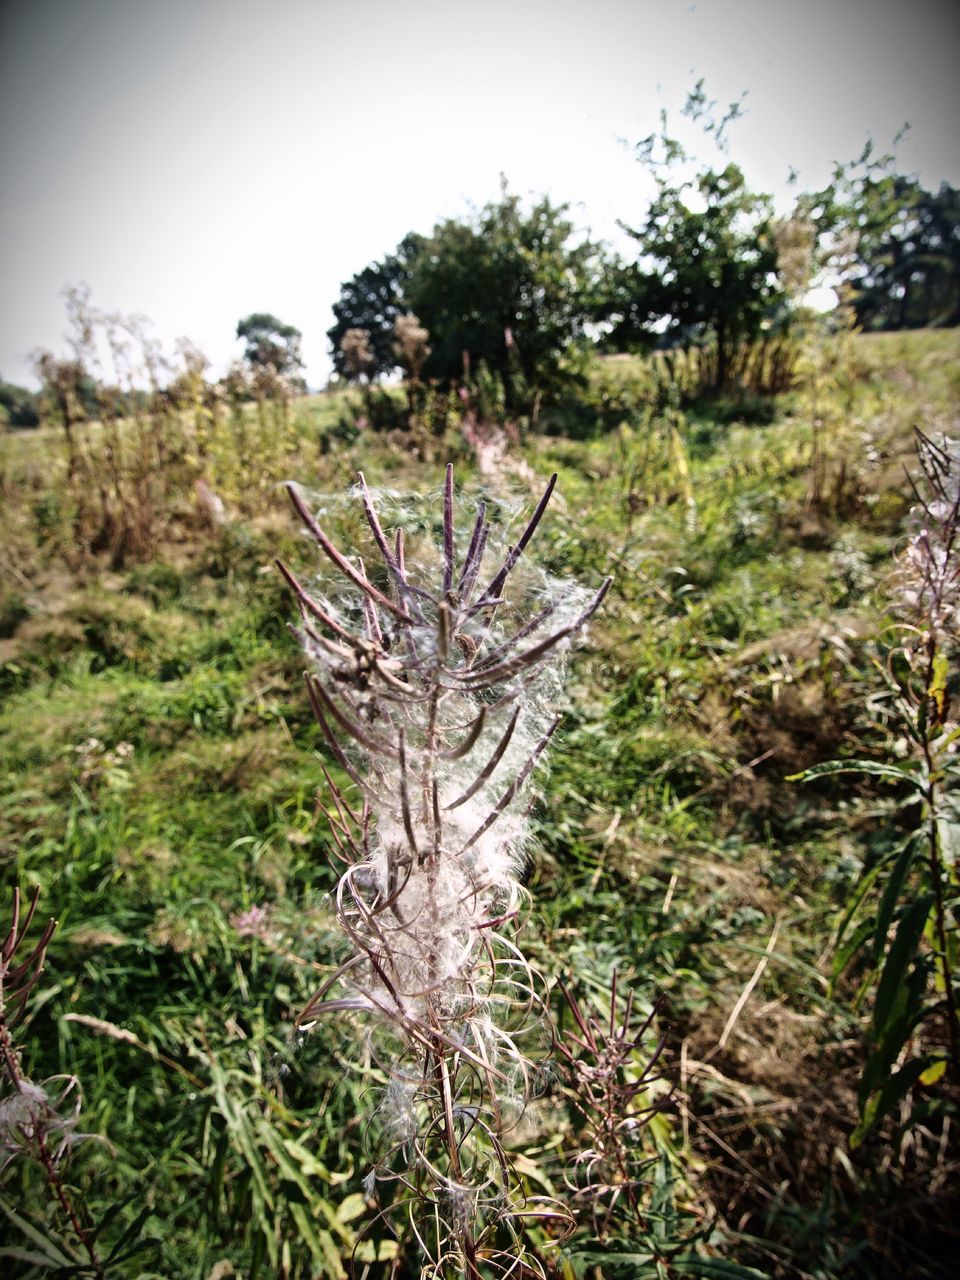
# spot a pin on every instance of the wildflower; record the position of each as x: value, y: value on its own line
x: 251, y: 923
x: 436, y: 700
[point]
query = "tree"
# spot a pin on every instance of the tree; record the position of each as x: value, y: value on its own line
x: 905, y: 242
x: 271, y: 344
x: 508, y: 289
x: 927, y: 287
x: 706, y: 265
x: 18, y: 406
x: 372, y: 302
x: 512, y: 290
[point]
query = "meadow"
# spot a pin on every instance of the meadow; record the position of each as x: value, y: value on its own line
x: 162, y: 783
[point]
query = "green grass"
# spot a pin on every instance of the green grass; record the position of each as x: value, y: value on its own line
x: 733, y: 650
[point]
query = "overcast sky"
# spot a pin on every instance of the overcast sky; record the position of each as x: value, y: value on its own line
x: 196, y: 160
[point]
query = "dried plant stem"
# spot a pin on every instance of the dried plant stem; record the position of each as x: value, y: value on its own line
x: 435, y: 701
x: 11, y: 1059
x: 748, y: 989
x: 56, y: 1184
x: 937, y: 878
x: 17, y: 979
x: 601, y: 1067
x: 453, y: 1152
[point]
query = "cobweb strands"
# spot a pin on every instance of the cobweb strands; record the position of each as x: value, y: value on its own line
x: 434, y: 683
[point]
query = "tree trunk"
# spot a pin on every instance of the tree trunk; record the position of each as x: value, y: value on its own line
x: 723, y: 355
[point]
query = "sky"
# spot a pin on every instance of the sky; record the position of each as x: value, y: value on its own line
x: 198, y: 160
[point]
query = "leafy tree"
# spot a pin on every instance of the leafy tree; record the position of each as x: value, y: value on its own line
x: 372, y: 302
x: 18, y: 406
x: 271, y: 344
x: 510, y: 290
x: 928, y: 284
x: 905, y: 243
x: 706, y: 265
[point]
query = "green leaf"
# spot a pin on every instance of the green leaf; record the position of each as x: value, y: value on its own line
x: 948, y: 835
x: 885, y: 1099
x: 612, y: 1263
x: 376, y: 1251
x: 907, y: 1012
x: 781, y: 957
x: 892, y: 892
x: 892, y: 990
x: 320, y: 1243
x: 696, y: 1266
x: 851, y: 947
x: 270, y: 1140
x: 53, y: 1253
x: 25, y: 1255
x: 131, y: 1242
x: 877, y: 768
x: 938, y: 683
x: 352, y: 1207
x: 934, y: 1072
x: 861, y: 891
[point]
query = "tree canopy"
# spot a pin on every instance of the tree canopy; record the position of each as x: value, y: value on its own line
x: 270, y: 342
x: 904, y: 242
x: 18, y: 406
x: 706, y: 265
x: 510, y: 289
x: 517, y: 291
x: 371, y: 303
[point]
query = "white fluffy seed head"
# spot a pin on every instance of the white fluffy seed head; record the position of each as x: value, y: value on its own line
x: 437, y: 674
x: 436, y: 682
x: 447, y: 830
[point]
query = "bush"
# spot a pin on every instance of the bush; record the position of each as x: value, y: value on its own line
x: 18, y: 406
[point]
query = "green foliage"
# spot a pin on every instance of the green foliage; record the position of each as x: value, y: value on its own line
x: 706, y: 267
x: 664, y: 1244
x: 910, y: 945
x: 903, y: 239
x: 268, y: 341
x: 512, y: 290
x: 372, y: 301
x: 507, y: 290
x: 18, y: 406
x: 191, y: 875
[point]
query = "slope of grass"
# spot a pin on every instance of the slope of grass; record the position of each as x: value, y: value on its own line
x: 158, y: 780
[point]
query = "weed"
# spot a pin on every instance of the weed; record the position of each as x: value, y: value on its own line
x: 444, y: 691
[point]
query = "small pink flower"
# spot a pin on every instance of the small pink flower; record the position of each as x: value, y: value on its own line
x: 251, y: 923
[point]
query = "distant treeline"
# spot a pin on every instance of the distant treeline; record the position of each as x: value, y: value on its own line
x: 517, y: 297
x: 520, y: 293
x: 527, y: 297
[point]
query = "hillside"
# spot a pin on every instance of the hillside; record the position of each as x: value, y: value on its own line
x: 161, y: 770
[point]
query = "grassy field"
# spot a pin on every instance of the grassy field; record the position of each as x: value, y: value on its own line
x: 159, y: 782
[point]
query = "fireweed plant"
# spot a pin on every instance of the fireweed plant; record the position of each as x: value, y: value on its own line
x: 38, y: 1125
x: 37, y: 1121
x: 614, y: 1099
x: 434, y: 683
x: 902, y: 921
